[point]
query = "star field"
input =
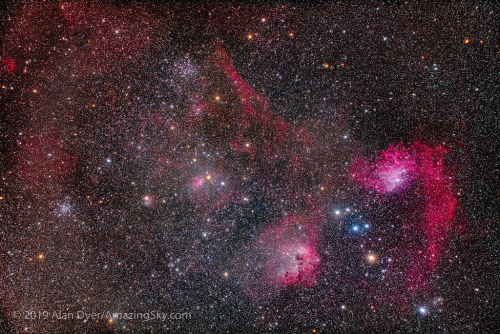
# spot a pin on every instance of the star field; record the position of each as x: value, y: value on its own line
x: 266, y: 167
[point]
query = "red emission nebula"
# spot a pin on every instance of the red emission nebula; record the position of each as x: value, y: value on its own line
x: 271, y: 167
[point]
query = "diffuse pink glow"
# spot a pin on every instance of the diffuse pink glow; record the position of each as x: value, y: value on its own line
x: 396, y: 168
x: 393, y: 171
x: 440, y: 205
x: 205, y: 159
x: 298, y: 264
x: 253, y: 104
x: 285, y: 254
x: 197, y: 182
x: 9, y: 65
x: 294, y: 259
x: 292, y: 254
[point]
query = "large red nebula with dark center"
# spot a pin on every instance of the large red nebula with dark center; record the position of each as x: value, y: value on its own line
x: 397, y: 167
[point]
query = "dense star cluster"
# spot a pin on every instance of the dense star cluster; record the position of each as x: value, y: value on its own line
x: 266, y: 167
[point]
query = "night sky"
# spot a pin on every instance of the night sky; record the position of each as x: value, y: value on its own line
x: 273, y: 167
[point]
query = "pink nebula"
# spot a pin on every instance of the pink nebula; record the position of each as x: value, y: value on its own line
x: 9, y: 65
x: 392, y: 172
x: 396, y: 168
x: 197, y: 182
x: 283, y: 255
x: 252, y: 103
x: 297, y: 263
x: 440, y: 205
x: 293, y: 258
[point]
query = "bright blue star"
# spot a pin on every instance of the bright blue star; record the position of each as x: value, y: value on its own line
x: 423, y: 310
